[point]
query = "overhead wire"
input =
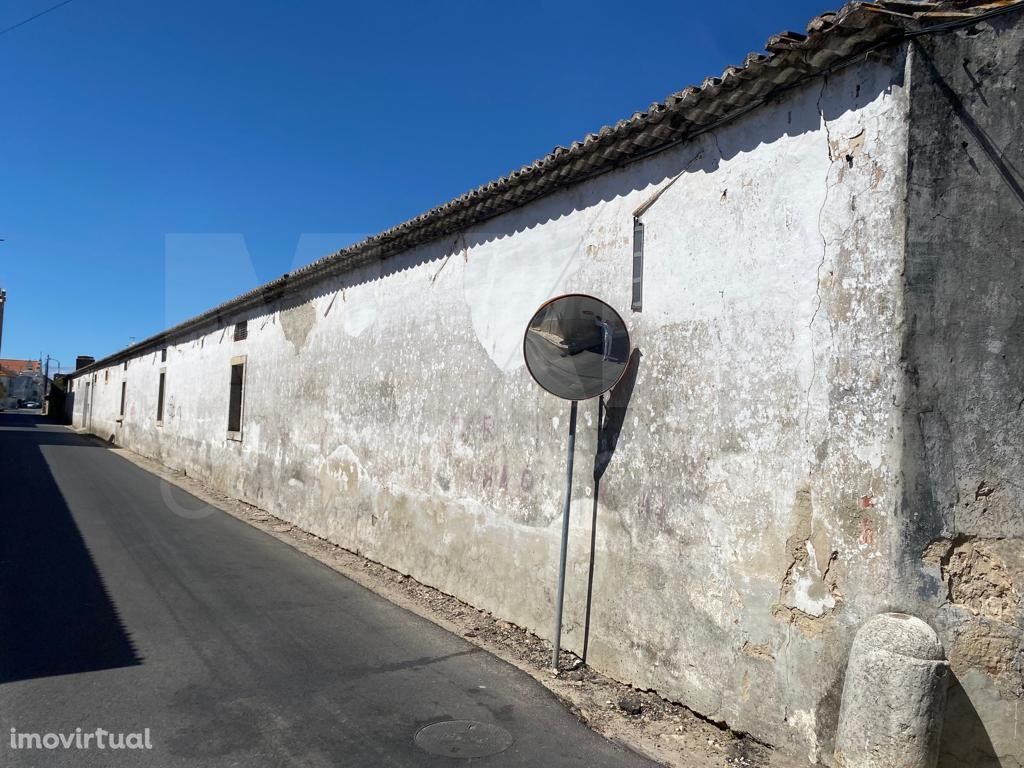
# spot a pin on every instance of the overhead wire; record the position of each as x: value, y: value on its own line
x: 23, y: 22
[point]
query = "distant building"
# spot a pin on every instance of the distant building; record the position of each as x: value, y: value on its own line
x: 22, y: 381
x: 12, y: 367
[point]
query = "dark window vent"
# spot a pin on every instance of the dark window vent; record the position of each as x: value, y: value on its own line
x: 638, y: 265
x: 241, y: 330
x: 160, y: 398
x: 163, y: 355
x: 235, y: 398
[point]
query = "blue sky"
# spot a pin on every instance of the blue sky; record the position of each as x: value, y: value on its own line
x: 158, y: 158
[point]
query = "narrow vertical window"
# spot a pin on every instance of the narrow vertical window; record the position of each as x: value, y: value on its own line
x: 163, y: 355
x: 241, y: 330
x: 638, y: 265
x: 235, y: 398
x: 124, y: 391
x: 160, y: 399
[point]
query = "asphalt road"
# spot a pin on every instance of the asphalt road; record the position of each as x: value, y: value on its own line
x: 575, y: 376
x: 231, y: 648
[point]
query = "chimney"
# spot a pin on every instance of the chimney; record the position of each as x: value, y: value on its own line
x: 83, y: 360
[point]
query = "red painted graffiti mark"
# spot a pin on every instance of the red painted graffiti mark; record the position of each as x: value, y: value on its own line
x: 867, y: 531
x: 866, y: 502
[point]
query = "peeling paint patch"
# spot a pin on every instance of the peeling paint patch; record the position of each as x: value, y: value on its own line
x: 360, y: 315
x: 809, y: 590
x: 806, y: 723
x: 297, y: 323
x: 759, y: 651
x: 503, y: 293
x: 339, y: 475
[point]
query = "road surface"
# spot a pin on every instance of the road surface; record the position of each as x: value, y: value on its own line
x: 576, y: 375
x: 231, y: 648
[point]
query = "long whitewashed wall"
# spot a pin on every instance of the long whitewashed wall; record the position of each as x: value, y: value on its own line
x: 743, y: 521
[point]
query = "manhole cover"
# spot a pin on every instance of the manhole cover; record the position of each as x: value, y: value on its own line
x: 463, y: 738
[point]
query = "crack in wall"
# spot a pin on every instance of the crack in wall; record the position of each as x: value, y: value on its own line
x: 824, y: 246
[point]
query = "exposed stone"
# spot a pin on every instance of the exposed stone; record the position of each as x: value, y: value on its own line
x: 810, y: 589
x: 630, y: 705
x: 758, y: 651
x: 977, y: 576
x: 995, y: 648
x: 893, y: 696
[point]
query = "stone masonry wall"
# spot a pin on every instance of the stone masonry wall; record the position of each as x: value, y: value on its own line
x: 961, y: 548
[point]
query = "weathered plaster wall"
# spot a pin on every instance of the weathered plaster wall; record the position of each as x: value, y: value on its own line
x: 743, y: 522
x: 961, y: 556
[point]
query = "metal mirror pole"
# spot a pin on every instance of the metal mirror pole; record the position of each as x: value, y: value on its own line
x: 571, y: 452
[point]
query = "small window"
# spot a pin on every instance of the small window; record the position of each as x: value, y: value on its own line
x: 126, y: 365
x: 106, y: 375
x: 235, y: 400
x: 241, y: 330
x: 160, y: 399
x: 124, y: 391
x: 163, y: 355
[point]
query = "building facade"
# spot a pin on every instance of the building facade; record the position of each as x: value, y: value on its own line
x: 20, y: 381
x: 821, y: 419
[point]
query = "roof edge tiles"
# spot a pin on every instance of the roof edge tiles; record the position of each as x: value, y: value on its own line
x: 832, y: 40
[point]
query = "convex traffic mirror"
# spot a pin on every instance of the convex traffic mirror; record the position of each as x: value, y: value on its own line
x: 576, y: 347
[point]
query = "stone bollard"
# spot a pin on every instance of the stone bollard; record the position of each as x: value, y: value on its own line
x: 894, y: 696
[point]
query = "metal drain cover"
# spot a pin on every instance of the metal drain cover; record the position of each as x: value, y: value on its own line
x: 463, y: 738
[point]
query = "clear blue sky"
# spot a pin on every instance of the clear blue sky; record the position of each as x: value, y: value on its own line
x: 158, y: 158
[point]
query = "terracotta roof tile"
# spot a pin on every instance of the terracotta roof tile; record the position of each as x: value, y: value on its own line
x: 15, y: 367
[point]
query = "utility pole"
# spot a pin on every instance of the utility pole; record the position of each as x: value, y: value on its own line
x: 46, y: 382
x: 3, y: 300
x: 46, y: 377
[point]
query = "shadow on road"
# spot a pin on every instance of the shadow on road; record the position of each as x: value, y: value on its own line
x: 56, y: 613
